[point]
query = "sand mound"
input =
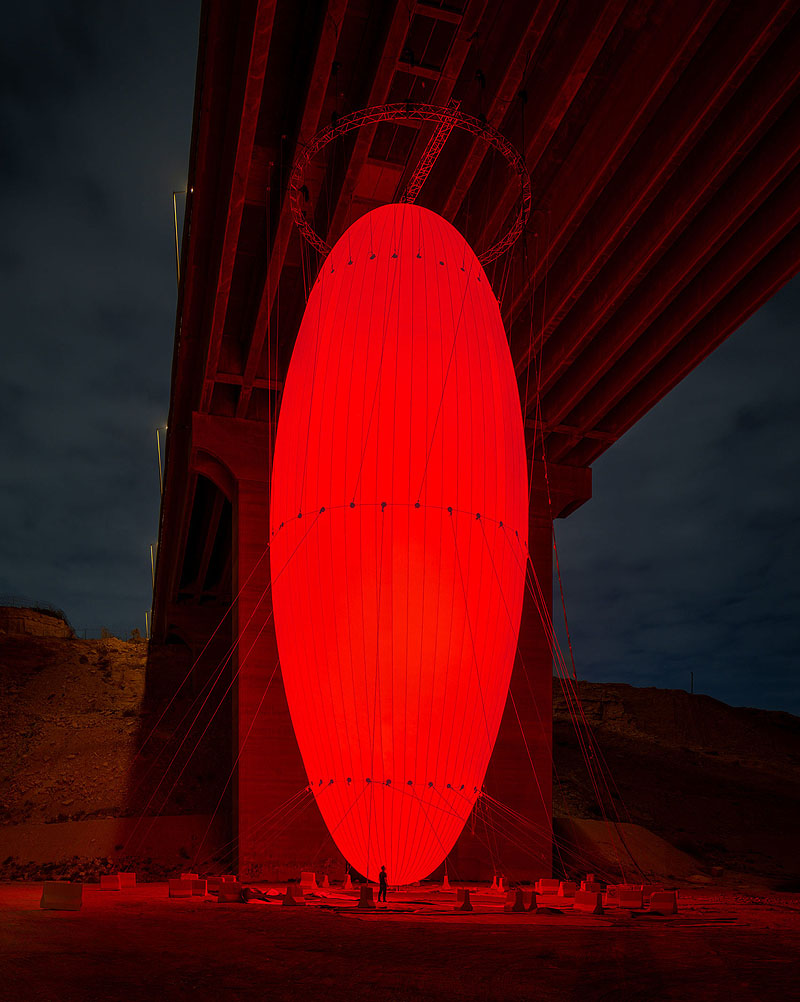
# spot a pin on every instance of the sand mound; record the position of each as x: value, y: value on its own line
x: 629, y: 850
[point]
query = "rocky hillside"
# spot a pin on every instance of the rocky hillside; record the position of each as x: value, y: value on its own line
x: 719, y: 783
x: 19, y: 620
x: 722, y: 783
x: 69, y: 716
x: 74, y: 715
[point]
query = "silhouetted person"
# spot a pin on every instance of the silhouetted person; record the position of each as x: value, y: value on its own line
x: 383, y: 883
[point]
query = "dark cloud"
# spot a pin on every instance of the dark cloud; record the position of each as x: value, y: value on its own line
x: 96, y: 101
x: 683, y: 561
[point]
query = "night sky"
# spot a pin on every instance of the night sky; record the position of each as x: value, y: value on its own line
x: 684, y: 559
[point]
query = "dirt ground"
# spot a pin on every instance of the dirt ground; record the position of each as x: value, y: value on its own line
x: 138, y: 944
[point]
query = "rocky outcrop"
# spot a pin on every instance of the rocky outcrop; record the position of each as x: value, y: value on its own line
x: 720, y: 783
x: 74, y: 777
x: 33, y: 623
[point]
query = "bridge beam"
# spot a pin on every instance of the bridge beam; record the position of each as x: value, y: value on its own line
x: 752, y: 292
x: 241, y: 140
x: 309, y: 123
x: 701, y: 132
x: 734, y: 266
x: 511, y: 81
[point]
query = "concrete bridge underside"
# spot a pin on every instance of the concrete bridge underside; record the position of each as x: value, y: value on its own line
x: 663, y: 141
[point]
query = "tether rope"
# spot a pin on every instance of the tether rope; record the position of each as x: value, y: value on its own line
x: 219, y: 705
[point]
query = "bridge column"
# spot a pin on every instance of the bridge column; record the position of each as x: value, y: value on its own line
x: 269, y: 771
x: 520, y: 773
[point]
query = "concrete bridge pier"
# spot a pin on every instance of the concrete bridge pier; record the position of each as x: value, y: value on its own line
x: 235, y: 455
x: 268, y: 767
x: 520, y: 773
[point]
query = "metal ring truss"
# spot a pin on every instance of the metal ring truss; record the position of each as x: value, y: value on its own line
x: 406, y: 112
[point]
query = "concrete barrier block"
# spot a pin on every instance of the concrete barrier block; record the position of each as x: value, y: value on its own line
x: 180, y: 888
x: 294, y: 896
x: 308, y: 879
x: 663, y: 903
x: 366, y: 898
x: 230, y: 893
x: 547, y: 886
x: 61, y: 895
x: 348, y: 883
x: 465, y: 905
x: 127, y: 880
x: 189, y: 876
x: 325, y: 881
x: 592, y: 886
x: 229, y: 878
x: 110, y: 882
x: 628, y: 897
x: 515, y: 901
x: 199, y: 888
x: 566, y: 889
x: 588, y: 901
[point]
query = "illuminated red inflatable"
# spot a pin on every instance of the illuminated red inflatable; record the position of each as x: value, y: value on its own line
x: 399, y: 537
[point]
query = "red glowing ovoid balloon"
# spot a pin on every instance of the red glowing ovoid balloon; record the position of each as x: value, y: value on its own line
x: 398, y: 537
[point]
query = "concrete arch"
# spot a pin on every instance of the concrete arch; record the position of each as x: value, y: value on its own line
x: 206, y: 464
